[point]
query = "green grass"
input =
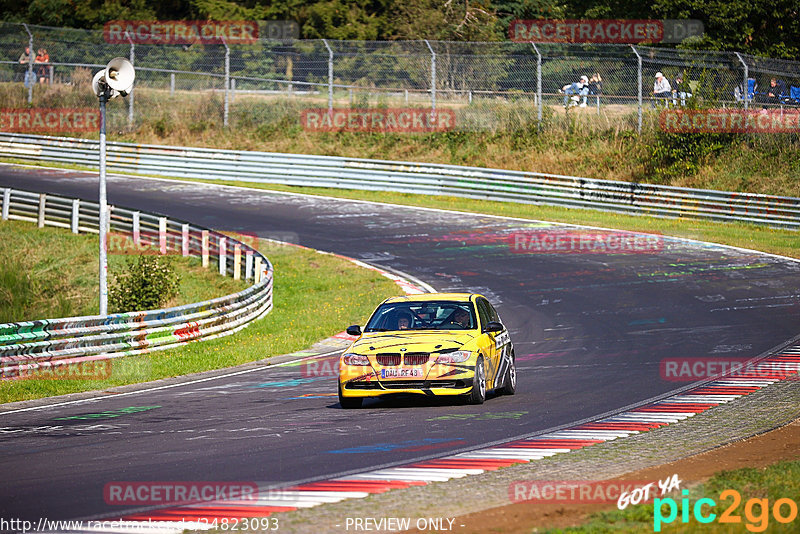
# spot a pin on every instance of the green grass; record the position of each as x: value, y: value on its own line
x: 36, y: 283
x: 777, y: 481
x: 315, y: 295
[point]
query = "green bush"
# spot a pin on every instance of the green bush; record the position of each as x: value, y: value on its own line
x: 148, y: 282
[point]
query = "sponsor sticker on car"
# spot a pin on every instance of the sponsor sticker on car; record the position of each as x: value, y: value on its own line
x: 414, y: 372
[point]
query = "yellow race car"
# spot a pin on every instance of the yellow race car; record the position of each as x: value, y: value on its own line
x: 430, y: 344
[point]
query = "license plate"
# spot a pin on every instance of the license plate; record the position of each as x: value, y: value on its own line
x: 414, y: 372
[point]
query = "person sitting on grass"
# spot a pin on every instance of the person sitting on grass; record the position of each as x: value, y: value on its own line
x: 575, y: 88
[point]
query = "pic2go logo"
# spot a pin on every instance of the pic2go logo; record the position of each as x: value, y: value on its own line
x: 756, y: 511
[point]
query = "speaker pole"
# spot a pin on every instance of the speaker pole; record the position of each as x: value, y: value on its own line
x: 103, y: 207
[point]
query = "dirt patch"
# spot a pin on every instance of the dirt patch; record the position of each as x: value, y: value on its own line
x: 759, y: 451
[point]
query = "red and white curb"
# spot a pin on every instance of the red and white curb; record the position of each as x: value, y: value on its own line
x: 206, y: 515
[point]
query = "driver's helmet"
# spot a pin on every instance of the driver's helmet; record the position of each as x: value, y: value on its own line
x: 403, y: 320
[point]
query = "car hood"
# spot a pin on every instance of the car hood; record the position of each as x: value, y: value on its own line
x: 414, y: 341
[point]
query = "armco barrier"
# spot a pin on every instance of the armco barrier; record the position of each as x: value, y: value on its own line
x: 26, y: 346
x: 423, y: 178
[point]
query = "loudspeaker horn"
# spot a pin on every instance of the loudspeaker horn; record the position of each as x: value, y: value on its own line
x: 119, y: 75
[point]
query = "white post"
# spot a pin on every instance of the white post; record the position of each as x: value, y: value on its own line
x: 433, y: 81
x: 162, y: 235
x: 258, y: 269
x: 31, y: 78
x: 330, y: 77
x: 130, y: 94
x: 745, y: 92
x: 76, y: 214
x: 222, y: 256
x: 538, y: 83
x: 639, y: 83
x: 103, y: 223
x: 6, y: 202
x: 237, y: 261
x: 185, y: 240
x: 204, y: 247
x: 136, y: 228
x: 248, y: 264
x: 42, y: 200
x: 227, y: 82
x: 171, y: 83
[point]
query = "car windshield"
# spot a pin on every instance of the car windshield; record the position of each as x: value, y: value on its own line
x: 437, y: 315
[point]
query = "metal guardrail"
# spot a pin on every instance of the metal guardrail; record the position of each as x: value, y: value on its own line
x: 31, y: 345
x: 405, y: 177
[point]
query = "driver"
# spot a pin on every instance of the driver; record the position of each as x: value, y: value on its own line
x: 460, y: 318
x: 403, y: 321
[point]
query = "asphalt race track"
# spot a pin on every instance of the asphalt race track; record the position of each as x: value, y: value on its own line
x: 590, y: 332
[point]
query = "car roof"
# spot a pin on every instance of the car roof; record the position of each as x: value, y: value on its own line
x: 429, y: 297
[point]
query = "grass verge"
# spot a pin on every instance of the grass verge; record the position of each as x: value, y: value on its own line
x: 315, y: 295
x: 758, y: 491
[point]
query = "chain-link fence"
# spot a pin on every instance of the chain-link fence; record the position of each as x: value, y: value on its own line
x: 489, y: 85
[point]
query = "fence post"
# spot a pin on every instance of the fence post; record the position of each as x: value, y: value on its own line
x: 76, y: 215
x: 639, y: 84
x: 745, y: 89
x: 42, y: 200
x: 130, y: 94
x: 29, y: 75
x: 204, y: 247
x: 162, y: 235
x: 433, y: 80
x: 222, y: 256
x: 184, y: 239
x: 227, y: 82
x: 248, y: 264
x: 50, y: 70
x: 538, y: 83
x: 330, y: 77
x: 171, y: 83
x: 233, y: 89
x: 6, y: 202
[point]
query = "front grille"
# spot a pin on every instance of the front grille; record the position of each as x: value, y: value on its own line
x: 388, y: 359
x: 415, y: 358
x: 362, y: 385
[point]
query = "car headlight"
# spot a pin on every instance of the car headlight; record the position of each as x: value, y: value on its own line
x: 457, y: 356
x: 355, y: 359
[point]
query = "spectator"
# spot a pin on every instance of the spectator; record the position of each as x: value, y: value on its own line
x: 576, y: 88
x: 24, y: 59
x: 42, y: 58
x: 596, y: 86
x: 776, y: 91
x: 680, y: 90
x: 661, y: 87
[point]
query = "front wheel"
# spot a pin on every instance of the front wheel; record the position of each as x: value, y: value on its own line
x: 349, y: 402
x: 478, y: 393
x: 510, y: 380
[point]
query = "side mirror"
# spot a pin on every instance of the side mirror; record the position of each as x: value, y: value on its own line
x: 354, y: 330
x: 494, y: 326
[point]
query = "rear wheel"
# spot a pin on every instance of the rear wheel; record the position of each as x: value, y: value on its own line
x: 478, y: 393
x: 510, y: 380
x: 349, y: 402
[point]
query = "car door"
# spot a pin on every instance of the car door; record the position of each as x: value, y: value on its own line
x: 484, y: 315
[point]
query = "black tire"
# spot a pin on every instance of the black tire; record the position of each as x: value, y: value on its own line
x: 478, y: 393
x: 349, y: 403
x: 510, y: 380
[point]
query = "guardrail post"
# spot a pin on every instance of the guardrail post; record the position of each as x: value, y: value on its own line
x: 639, y: 84
x: 6, y: 202
x: 162, y: 235
x: 222, y: 256
x: 258, y: 269
x: 248, y: 264
x: 42, y: 200
x: 204, y: 247
x: 76, y: 215
x: 330, y: 77
x: 237, y: 261
x: 185, y: 240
